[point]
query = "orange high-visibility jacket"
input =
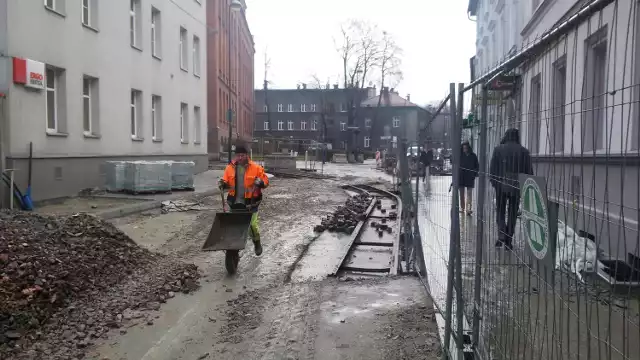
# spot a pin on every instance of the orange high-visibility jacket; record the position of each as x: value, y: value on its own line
x: 252, y: 172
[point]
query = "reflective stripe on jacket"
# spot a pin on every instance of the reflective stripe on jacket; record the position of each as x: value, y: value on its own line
x: 252, y: 172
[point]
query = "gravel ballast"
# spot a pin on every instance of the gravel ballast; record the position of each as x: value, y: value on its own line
x: 66, y: 282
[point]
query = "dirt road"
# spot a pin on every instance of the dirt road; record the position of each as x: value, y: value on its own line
x: 280, y: 305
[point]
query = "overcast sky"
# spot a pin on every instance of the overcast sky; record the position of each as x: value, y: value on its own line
x: 437, y: 38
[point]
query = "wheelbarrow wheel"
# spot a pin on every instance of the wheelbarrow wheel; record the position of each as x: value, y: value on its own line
x: 231, y: 260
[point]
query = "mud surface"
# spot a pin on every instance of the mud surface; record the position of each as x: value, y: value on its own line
x: 280, y: 305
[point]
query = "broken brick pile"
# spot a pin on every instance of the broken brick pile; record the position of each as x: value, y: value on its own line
x: 345, y: 218
x: 67, y: 281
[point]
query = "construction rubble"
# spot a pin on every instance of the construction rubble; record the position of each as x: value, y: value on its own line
x: 66, y: 282
x: 345, y: 218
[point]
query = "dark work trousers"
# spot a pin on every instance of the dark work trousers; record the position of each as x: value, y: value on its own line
x: 507, y: 226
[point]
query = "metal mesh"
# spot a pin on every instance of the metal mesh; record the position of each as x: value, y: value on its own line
x: 575, y: 105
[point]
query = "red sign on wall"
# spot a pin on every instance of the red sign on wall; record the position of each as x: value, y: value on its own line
x: 28, y: 72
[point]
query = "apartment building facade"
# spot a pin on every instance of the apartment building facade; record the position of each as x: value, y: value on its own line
x: 305, y: 115
x: 230, y: 64
x: 90, y: 81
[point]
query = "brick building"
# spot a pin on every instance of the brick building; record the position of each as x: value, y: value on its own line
x: 230, y: 81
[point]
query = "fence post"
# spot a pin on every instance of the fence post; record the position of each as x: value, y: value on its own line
x: 482, y: 191
x: 455, y: 222
x: 457, y: 150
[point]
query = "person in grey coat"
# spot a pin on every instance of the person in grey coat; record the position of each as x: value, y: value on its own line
x: 467, y: 176
x: 508, y: 161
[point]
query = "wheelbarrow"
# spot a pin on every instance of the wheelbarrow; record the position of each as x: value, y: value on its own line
x: 229, y: 234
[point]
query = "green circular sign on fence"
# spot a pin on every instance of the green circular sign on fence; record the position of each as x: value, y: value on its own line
x: 536, y: 219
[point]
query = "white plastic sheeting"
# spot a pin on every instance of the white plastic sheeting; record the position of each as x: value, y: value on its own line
x: 575, y: 253
x: 115, y: 176
x: 147, y: 176
x: 182, y: 173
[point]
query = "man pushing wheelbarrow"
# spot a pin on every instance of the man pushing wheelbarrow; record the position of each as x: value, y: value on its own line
x: 243, y: 176
x: 244, y: 181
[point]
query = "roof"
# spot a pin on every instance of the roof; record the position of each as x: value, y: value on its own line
x: 388, y: 99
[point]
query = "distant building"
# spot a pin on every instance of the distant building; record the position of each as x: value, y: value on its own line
x: 90, y: 81
x: 298, y: 115
x: 229, y: 85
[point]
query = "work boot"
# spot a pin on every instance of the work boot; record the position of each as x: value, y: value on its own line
x: 257, y: 247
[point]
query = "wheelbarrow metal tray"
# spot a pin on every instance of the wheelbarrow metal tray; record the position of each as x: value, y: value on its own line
x: 229, y: 231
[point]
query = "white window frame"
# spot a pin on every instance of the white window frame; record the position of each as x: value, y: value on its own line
x: 183, y: 122
x: 265, y: 126
x: 314, y: 125
x: 303, y: 107
x: 367, y: 142
x: 367, y: 122
x: 279, y: 107
x: 133, y: 19
x: 290, y: 108
x: 155, y: 32
x: 53, y: 4
x: 52, y: 89
x: 154, y: 116
x: 85, y: 4
x: 134, y: 114
x: 343, y: 126
x: 290, y: 125
x: 197, y: 124
x: 280, y: 125
x: 86, y: 101
x: 313, y: 107
x: 266, y: 108
x: 396, y: 121
x: 183, y: 48
x: 303, y: 125
x: 196, y: 56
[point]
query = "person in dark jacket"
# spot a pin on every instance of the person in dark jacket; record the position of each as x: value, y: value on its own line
x: 426, y: 157
x: 508, y: 161
x: 467, y: 176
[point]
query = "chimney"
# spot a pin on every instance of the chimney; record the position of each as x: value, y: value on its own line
x: 385, y: 90
x: 335, y: 86
x: 298, y: 86
x: 304, y: 86
x: 409, y: 97
x: 392, y: 90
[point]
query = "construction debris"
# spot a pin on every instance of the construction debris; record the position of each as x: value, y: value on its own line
x: 64, y: 282
x: 345, y: 218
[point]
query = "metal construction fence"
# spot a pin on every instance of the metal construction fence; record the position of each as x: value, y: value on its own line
x: 542, y: 260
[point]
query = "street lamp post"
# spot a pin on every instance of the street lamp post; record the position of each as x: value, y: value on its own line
x: 235, y: 5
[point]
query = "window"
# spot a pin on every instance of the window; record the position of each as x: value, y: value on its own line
x: 290, y: 125
x: 196, y: 56
x: 90, y: 111
x: 290, y: 108
x: 313, y: 107
x: 396, y: 122
x: 156, y: 117
x: 303, y: 108
x: 52, y: 105
x: 533, y: 123
x: 367, y: 122
x: 367, y: 142
x: 55, y: 5
x: 135, y: 22
x: 303, y: 125
x: 314, y: 125
x: 343, y: 126
x: 343, y: 107
x: 136, y: 114
x: 266, y: 125
x: 183, y: 49
x: 594, y: 88
x: 86, y: 12
x: 266, y: 108
x: 279, y: 107
x: 280, y: 125
x: 197, y: 125
x: 184, y: 123
x: 559, y: 99
x: 156, y: 33
x: 343, y: 144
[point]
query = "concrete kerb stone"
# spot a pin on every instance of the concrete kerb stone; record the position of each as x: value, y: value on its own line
x: 149, y: 205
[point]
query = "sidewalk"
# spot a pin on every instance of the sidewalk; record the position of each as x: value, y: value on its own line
x: 109, y: 206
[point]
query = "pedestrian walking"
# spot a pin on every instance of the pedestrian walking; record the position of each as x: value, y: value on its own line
x: 509, y: 160
x: 426, y: 157
x: 467, y: 177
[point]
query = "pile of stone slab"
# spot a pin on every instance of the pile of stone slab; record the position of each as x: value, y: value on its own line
x: 138, y: 177
x: 345, y: 218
